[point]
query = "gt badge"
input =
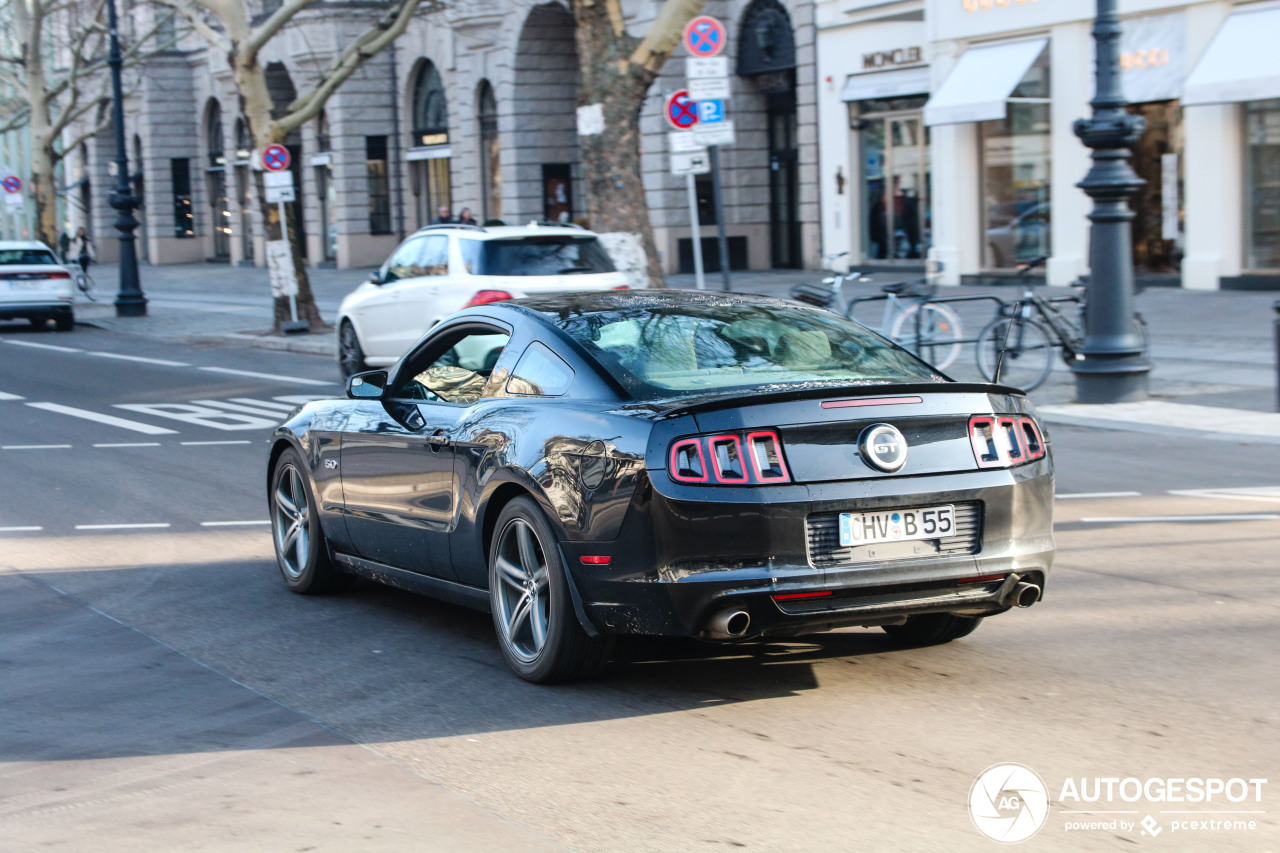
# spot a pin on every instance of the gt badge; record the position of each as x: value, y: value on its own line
x: 883, y: 447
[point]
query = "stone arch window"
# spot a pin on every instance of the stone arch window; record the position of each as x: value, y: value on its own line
x: 430, y: 108
x: 766, y: 43
x: 490, y: 152
x: 216, y: 182
x: 244, y: 141
x: 213, y: 134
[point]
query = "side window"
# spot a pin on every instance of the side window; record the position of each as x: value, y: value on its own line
x: 470, y: 255
x: 434, y: 259
x: 460, y: 373
x: 540, y: 373
x: 404, y: 261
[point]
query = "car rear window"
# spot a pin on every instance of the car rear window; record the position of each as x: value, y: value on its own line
x: 707, y: 348
x: 26, y: 257
x: 550, y: 255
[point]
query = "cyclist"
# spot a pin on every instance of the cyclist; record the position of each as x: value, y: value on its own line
x: 82, y: 249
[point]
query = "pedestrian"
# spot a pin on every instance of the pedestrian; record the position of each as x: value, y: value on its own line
x: 443, y: 215
x: 465, y: 217
x: 64, y: 244
x: 83, y: 249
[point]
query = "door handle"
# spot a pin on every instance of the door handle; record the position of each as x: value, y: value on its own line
x: 437, y: 440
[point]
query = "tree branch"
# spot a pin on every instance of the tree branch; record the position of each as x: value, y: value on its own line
x: 664, y: 34
x: 272, y: 25
x: 195, y: 17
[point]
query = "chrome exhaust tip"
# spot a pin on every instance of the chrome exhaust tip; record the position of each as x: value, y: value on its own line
x: 1025, y: 594
x: 729, y: 624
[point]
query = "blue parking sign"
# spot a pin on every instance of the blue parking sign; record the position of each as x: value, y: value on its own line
x: 710, y: 112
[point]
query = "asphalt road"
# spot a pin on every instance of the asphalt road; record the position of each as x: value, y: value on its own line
x: 160, y: 689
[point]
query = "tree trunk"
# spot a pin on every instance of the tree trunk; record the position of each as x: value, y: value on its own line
x: 44, y: 190
x: 611, y: 158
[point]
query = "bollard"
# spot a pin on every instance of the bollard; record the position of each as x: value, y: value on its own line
x: 1277, y: 307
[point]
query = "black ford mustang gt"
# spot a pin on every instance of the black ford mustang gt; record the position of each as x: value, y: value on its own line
x: 668, y: 463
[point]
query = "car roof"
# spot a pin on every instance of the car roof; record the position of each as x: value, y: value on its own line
x: 23, y: 244
x: 507, y: 232
x: 555, y: 305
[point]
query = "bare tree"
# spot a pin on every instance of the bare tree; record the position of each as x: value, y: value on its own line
x: 226, y: 26
x: 53, y: 56
x: 617, y: 70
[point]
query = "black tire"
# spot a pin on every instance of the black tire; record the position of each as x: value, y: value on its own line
x: 538, y: 631
x: 1029, y: 359
x: 350, y: 353
x: 64, y: 322
x: 301, y: 552
x: 932, y: 629
x: 38, y: 322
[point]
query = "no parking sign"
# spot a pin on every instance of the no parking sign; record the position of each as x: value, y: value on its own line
x: 704, y: 36
x: 681, y: 110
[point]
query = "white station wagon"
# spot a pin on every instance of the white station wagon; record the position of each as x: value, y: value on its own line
x: 34, y: 286
x: 444, y: 268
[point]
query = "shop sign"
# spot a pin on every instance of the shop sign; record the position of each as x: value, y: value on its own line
x: 425, y: 139
x: 892, y: 58
x: 1152, y: 57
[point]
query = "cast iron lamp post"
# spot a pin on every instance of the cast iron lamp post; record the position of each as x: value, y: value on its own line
x: 1114, y: 368
x: 129, y: 302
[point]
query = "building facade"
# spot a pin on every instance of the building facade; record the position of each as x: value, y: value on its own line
x: 946, y: 135
x: 474, y: 107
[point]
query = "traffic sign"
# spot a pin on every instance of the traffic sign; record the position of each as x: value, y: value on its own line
x: 715, y: 66
x: 13, y: 184
x: 704, y: 36
x: 682, y: 141
x: 277, y: 179
x: 720, y: 133
x: 276, y: 195
x: 709, y: 88
x: 690, y: 163
x: 710, y: 112
x: 275, y: 158
x: 681, y: 110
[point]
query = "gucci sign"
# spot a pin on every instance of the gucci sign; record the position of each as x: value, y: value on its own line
x: 984, y: 5
x: 1153, y: 58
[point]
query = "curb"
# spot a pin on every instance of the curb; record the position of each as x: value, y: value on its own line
x: 279, y: 343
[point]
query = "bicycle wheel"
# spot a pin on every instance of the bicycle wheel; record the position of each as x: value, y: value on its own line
x: 1028, y: 355
x: 940, y: 333
x: 85, y: 282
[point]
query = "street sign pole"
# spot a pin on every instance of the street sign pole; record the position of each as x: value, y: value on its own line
x: 699, y: 277
x: 721, y: 240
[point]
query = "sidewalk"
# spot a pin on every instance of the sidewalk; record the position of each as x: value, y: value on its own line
x: 1213, y: 353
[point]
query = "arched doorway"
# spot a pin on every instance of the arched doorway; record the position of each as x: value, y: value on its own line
x: 548, y: 167
x: 490, y: 153
x: 429, y: 151
x: 216, y: 183
x: 244, y: 151
x: 767, y: 57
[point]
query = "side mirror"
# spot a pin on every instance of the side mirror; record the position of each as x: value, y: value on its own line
x: 375, y: 277
x: 367, y: 386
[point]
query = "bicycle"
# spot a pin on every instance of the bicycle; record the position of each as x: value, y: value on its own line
x: 928, y: 329
x: 1017, y: 346
x: 84, y: 281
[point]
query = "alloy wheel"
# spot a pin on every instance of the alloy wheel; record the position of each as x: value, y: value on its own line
x: 523, y: 595
x: 290, y: 521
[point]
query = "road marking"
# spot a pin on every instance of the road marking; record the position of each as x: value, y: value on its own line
x: 4, y: 396
x: 152, y: 525
x: 131, y: 444
x: 1267, y: 494
x: 109, y: 420
x: 236, y: 407
x: 43, y: 346
x: 35, y: 447
x: 1139, y: 519
x: 266, y: 404
x: 273, y: 376
x: 207, y: 443
x: 1083, y: 495
x: 19, y: 529
x: 231, y: 523
x: 141, y: 360
x: 202, y: 415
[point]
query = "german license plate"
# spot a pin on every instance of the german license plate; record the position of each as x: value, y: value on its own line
x: 896, y: 525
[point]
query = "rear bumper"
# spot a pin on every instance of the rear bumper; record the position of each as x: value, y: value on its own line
x: 44, y: 309
x: 677, y: 563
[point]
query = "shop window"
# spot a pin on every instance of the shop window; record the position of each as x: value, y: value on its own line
x: 375, y: 148
x: 557, y: 184
x: 1262, y: 187
x: 183, y: 216
x: 1016, y: 213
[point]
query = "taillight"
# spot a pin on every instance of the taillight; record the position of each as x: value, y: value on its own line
x: 730, y: 459
x: 623, y: 287
x: 59, y: 275
x: 1003, y: 441
x: 484, y: 297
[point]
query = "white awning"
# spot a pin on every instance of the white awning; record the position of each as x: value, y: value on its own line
x: 981, y: 82
x: 886, y: 84
x: 1241, y: 63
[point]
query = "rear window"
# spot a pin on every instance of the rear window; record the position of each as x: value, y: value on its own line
x: 551, y: 255
x: 713, y: 347
x: 26, y: 257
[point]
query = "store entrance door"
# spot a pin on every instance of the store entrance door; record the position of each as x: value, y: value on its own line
x: 1157, y: 205
x: 895, y: 187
